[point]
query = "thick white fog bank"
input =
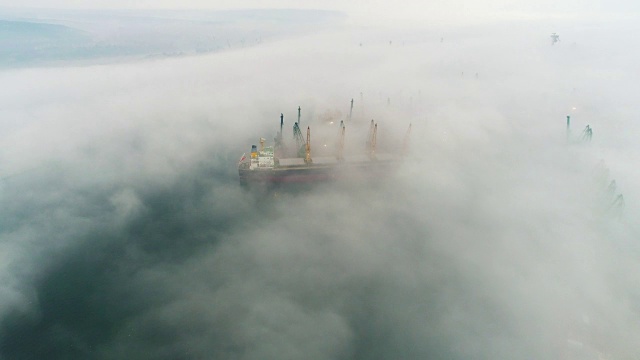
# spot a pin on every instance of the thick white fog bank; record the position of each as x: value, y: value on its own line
x: 124, y: 233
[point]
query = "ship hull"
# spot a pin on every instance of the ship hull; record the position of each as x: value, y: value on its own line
x: 314, y: 174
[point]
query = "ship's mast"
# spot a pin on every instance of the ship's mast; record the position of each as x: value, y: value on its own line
x: 307, y: 158
x: 298, y: 114
x: 351, y: 110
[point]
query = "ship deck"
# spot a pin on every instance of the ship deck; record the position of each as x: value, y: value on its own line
x: 321, y: 161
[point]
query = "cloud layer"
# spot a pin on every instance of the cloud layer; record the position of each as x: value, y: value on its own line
x: 124, y: 233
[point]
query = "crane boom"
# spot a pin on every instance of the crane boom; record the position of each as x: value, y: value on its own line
x: 297, y: 135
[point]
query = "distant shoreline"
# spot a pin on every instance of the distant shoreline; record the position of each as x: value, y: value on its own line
x: 53, y: 37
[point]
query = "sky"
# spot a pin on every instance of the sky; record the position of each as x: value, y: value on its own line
x: 124, y: 232
x: 311, y: 4
x: 379, y: 11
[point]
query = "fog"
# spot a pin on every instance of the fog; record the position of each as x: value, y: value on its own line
x: 124, y: 232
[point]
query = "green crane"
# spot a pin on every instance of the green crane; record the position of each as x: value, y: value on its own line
x: 300, y: 142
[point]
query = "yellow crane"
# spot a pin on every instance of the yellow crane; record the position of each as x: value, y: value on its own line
x: 307, y: 158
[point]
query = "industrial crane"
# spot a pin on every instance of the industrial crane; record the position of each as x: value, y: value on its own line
x: 340, y: 150
x: 307, y: 157
x: 297, y: 135
x: 587, y: 133
x: 371, y: 142
x: 280, y: 147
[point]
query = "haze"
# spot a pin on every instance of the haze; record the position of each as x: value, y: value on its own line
x: 124, y: 232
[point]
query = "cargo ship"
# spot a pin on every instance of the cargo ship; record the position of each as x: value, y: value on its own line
x: 270, y: 165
